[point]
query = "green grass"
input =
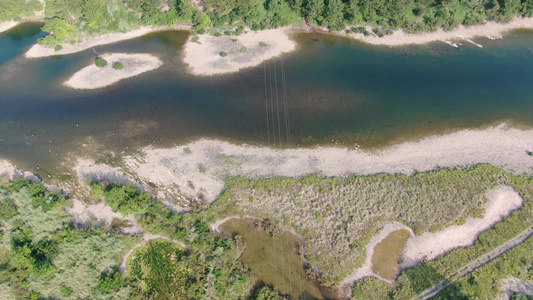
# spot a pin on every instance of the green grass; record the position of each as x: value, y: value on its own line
x: 337, y: 217
x: 160, y: 269
x: 42, y: 255
x: 223, y: 54
x: 415, y: 280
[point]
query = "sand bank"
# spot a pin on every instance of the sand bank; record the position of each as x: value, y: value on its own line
x: 503, y: 201
x: 93, y: 77
x: 243, y: 51
x: 5, y: 26
x: 6, y: 169
x: 398, y: 38
x: 202, y: 166
x: 42, y: 51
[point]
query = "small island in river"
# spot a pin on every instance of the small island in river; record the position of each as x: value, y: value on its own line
x: 118, y: 66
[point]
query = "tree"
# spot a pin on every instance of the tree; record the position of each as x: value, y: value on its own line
x: 315, y: 10
x: 58, y: 30
x: 335, y: 14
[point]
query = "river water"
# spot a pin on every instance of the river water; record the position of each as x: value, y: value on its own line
x: 338, y: 92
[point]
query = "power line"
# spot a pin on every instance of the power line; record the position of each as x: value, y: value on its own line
x: 266, y: 103
x: 272, y: 105
x: 277, y: 103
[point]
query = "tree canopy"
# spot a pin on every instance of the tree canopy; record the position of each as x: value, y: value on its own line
x: 71, y: 20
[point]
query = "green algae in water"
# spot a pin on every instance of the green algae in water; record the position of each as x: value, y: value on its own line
x: 275, y: 259
x: 388, y: 253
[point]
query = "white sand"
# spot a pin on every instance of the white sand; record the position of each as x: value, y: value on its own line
x: 42, y: 51
x: 93, y: 77
x: 100, y: 215
x: 399, y: 37
x: 503, y: 201
x: 5, y: 26
x: 366, y: 269
x: 6, y: 169
x: 176, y: 172
x: 203, y: 56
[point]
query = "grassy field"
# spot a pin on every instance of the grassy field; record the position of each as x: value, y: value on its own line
x: 43, y: 255
x: 337, y: 217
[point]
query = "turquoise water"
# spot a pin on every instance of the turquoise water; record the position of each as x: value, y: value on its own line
x: 338, y: 91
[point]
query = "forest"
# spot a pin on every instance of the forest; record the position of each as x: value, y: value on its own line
x: 72, y: 20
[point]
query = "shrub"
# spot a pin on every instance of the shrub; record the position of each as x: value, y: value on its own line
x: 7, y: 209
x: 223, y: 54
x: 118, y: 66
x: 100, y: 62
x: 111, y: 281
x: 262, y: 44
x: 58, y: 48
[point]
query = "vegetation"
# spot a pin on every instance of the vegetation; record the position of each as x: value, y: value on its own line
x: 208, y: 264
x: 161, y: 267
x: 58, y: 48
x: 16, y: 9
x: 43, y: 255
x: 100, y: 62
x: 338, y: 216
x: 223, y: 54
x: 118, y: 66
x: 73, y: 20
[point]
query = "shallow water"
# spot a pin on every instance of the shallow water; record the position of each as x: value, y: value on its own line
x: 275, y: 260
x: 387, y: 254
x: 338, y: 91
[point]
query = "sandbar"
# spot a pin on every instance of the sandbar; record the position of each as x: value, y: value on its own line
x: 202, y: 166
x: 38, y: 50
x: 93, y: 77
x: 203, y: 53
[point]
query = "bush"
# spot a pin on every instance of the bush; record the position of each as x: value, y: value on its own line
x: 111, y: 281
x: 223, y: 54
x: 118, y: 66
x: 58, y: 48
x: 263, y: 44
x: 100, y: 62
x: 7, y: 209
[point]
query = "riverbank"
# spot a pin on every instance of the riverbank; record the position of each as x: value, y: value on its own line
x: 93, y: 77
x: 198, y: 169
x: 210, y: 55
x: 491, y: 30
x: 42, y: 51
x: 5, y: 26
